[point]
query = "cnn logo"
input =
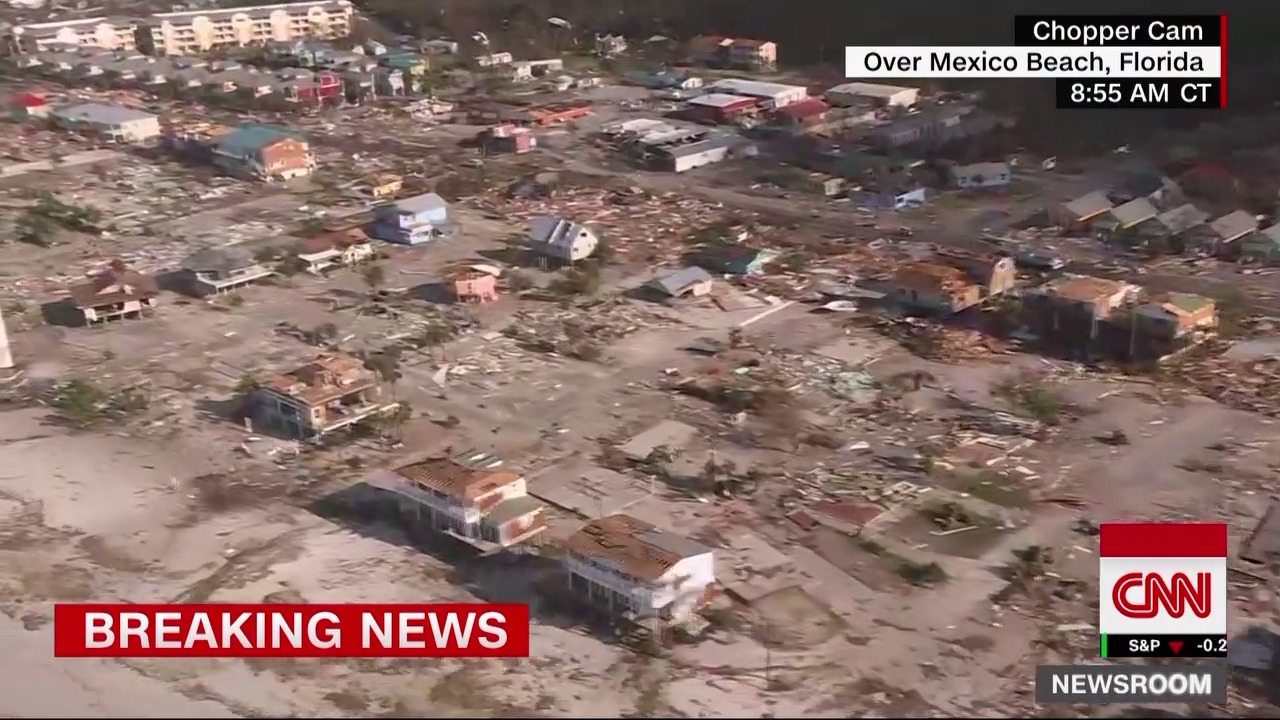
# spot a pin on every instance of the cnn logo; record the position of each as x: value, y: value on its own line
x: 1145, y: 595
x: 1162, y: 596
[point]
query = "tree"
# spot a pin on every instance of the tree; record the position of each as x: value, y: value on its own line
x: 605, y: 253
x: 374, y: 276
x: 386, y: 364
x: 659, y: 460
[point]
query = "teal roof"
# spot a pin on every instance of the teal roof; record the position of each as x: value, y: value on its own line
x: 402, y: 61
x: 251, y: 138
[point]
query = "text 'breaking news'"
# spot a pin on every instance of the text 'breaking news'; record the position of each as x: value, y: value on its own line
x: 286, y: 630
x: 1156, y: 62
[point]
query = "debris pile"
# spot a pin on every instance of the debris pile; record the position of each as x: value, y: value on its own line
x: 940, y: 342
x: 1252, y: 385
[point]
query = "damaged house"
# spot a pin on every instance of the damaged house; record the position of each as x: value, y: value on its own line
x: 1229, y: 230
x: 335, y: 249
x: 685, y: 282
x: 561, y: 239
x: 953, y: 281
x: 1125, y: 218
x: 1080, y: 211
x: 412, y: 221
x: 330, y: 393
x: 1093, y: 317
x: 633, y: 571
x: 473, y: 499
x: 116, y: 292
x: 222, y: 270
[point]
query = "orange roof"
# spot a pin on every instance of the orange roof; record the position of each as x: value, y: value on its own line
x: 333, y: 240
x: 326, y: 378
x: 1085, y: 289
x: 635, y: 546
x: 456, y: 480
x: 927, y: 276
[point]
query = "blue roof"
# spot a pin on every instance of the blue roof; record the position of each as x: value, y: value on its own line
x: 251, y: 138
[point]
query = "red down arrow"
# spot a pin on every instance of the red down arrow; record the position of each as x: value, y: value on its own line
x: 1176, y: 645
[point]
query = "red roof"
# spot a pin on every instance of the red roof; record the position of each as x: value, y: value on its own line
x: 804, y: 109
x: 29, y: 100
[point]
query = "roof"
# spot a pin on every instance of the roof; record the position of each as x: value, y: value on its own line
x: 424, y: 203
x: 1182, y: 218
x: 102, y: 114
x: 987, y: 170
x: 804, y: 109
x: 332, y: 241
x: 1084, y: 288
x: 555, y: 231
x: 455, y: 479
x: 676, y: 282
x: 326, y: 378
x: 252, y: 138
x: 928, y: 276
x: 1273, y: 233
x: 722, y: 100
x: 219, y: 259
x: 755, y: 88
x: 633, y: 546
x: 1094, y: 203
x: 29, y: 100
x: 1188, y: 302
x: 872, y: 90
x: 1134, y: 212
x: 115, y: 284
x: 711, y: 142
x: 1232, y: 226
x: 259, y: 11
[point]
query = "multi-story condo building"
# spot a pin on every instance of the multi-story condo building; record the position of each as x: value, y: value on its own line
x: 193, y: 31
x: 113, y: 33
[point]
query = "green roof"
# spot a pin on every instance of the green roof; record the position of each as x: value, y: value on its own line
x: 251, y: 138
x: 1188, y: 302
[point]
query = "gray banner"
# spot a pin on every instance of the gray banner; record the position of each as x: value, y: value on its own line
x: 1131, y: 683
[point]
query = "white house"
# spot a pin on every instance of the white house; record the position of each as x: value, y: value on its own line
x: 119, y: 123
x: 982, y: 175
x: 856, y: 93
x: 328, y: 250
x: 635, y: 571
x: 776, y: 93
x: 472, y: 498
x: 562, y: 239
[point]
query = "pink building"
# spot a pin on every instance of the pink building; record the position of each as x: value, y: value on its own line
x: 475, y: 286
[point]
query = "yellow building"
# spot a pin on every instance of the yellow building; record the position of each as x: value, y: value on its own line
x: 191, y: 32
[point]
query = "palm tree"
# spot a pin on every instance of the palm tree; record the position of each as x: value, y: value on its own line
x: 374, y: 276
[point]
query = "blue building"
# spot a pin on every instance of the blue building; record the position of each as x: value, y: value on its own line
x: 412, y: 221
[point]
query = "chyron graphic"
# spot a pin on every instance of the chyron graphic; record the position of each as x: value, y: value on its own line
x: 1175, y: 597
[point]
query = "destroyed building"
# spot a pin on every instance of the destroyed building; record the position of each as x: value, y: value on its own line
x: 334, y: 249
x: 952, y: 281
x: 1088, y: 317
x: 636, y: 572
x: 330, y: 393
x: 471, y: 498
x: 116, y: 292
x: 222, y: 270
x: 561, y: 239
